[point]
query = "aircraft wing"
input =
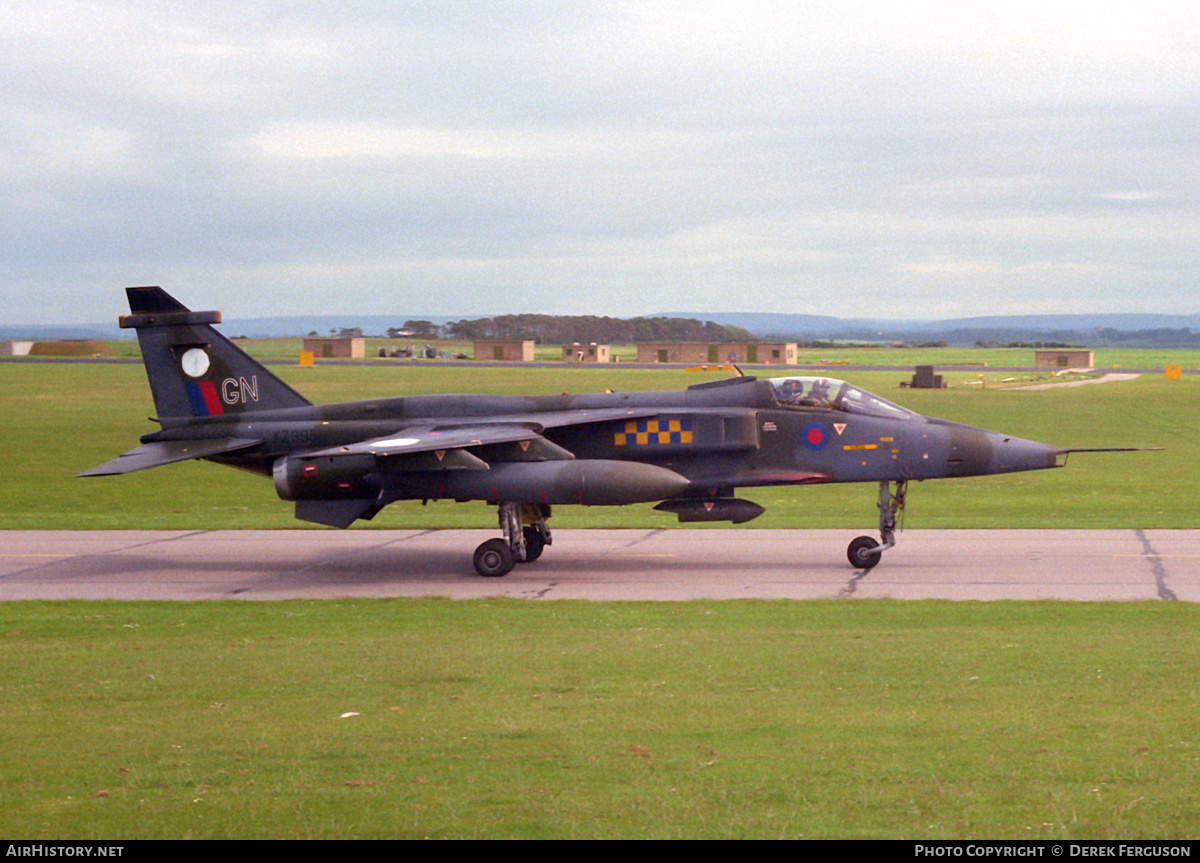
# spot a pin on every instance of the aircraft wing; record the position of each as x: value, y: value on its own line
x: 526, y: 438
x: 523, y: 432
x: 168, y: 452
x: 493, y: 430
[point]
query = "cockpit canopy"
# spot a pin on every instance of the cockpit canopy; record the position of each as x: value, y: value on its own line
x: 832, y: 394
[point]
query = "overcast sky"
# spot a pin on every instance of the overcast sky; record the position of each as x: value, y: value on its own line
x: 909, y: 159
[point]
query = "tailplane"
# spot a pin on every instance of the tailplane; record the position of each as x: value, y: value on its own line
x: 195, y: 371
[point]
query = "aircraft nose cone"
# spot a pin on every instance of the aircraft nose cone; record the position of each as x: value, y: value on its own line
x: 939, y: 448
x: 1010, y: 454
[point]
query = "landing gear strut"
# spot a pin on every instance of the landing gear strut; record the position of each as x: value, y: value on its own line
x: 864, y: 552
x: 525, y: 537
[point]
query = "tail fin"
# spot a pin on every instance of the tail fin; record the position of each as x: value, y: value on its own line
x: 195, y: 371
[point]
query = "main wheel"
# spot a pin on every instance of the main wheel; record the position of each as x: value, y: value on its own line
x: 493, y: 558
x: 535, y: 543
x: 859, y: 553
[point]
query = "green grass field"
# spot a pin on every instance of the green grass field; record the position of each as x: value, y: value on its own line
x: 513, y: 719
x: 499, y: 719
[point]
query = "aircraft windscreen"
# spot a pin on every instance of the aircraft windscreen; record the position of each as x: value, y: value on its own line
x: 832, y: 394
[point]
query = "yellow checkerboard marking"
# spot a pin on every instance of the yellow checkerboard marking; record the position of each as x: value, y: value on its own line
x: 656, y: 432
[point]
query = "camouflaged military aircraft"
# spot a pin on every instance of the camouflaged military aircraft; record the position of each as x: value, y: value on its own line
x: 689, y: 450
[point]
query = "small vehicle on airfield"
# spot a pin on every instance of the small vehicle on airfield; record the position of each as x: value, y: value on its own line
x: 687, y: 450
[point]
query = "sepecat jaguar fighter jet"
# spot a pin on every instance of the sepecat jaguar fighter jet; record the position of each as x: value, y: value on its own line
x: 688, y: 450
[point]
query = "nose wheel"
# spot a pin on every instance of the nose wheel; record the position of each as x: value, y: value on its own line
x: 864, y: 552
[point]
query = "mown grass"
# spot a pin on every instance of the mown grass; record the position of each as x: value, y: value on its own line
x: 60, y: 419
x: 491, y: 719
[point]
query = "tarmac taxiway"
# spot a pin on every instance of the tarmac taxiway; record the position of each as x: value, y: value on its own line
x: 668, y: 565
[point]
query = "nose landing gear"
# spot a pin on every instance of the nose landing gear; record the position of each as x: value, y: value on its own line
x: 864, y: 552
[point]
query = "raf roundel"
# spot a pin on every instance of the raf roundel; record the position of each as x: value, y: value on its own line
x: 815, y: 435
x: 195, y: 363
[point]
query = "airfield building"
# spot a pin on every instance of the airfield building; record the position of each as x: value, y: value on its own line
x: 591, y: 353
x: 336, y: 348
x: 16, y: 348
x: 779, y: 353
x: 505, y: 352
x: 1064, y: 359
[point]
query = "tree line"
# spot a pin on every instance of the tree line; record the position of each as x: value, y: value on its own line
x: 568, y: 329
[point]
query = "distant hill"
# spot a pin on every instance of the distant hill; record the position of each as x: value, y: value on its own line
x: 255, y: 328
x: 1092, y: 330
x: 41, y: 333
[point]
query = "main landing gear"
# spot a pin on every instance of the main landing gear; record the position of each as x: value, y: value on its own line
x: 525, y: 537
x: 864, y: 552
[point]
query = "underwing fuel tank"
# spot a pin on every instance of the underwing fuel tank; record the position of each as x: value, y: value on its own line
x: 731, y: 509
x: 591, y: 482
